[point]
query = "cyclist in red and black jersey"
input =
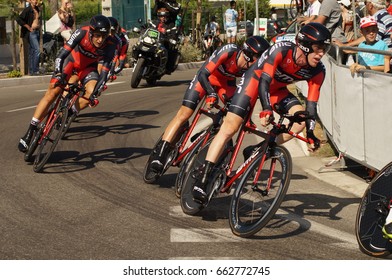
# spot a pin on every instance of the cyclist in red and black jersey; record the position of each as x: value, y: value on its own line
x: 216, y: 77
x: 123, y: 43
x: 78, y: 58
x: 283, y: 64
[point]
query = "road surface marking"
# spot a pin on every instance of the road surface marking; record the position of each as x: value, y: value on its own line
x: 112, y: 93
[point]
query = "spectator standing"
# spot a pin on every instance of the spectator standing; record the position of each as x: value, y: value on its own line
x: 377, y: 9
x: 30, y: 21
x: 330, y: 15
x: 274, y: 15
x: 348, y: 19
x: 211, y: 30
x: 67, y: 18
x: 231, y: 17
x: 367, y: 60
x: 313, y: 9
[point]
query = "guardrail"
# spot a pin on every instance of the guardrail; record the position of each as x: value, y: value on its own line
x: 356, y: 111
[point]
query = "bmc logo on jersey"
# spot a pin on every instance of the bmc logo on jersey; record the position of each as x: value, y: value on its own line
x: 73, y: 36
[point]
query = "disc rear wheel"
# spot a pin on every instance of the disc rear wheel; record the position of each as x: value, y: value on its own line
x: 372, y: 212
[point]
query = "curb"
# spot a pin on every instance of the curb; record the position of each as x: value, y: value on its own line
x: 30, y: 80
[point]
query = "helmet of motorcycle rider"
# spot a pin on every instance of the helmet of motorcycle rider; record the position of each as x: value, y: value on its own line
x: 163, y: 15
x: 254, y: 47
x: 101, y: 24
x: 313, y: 36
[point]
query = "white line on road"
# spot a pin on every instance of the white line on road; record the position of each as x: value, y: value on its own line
x: 225, y: 235
x: 111, y: 93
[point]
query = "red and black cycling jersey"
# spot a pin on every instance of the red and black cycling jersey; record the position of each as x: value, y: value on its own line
x: 82, y: 54
x: 217, y: 76
x: 275, y: 69
x: 124, y: 46
x: 222, y: 66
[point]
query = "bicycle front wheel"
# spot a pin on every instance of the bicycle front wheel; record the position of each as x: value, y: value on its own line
x: 253, y: 204
x: 186, y: 167
x: 50, y: 138
x: 372, y: 212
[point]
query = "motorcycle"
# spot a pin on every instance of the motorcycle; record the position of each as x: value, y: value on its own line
x: 151, y: 54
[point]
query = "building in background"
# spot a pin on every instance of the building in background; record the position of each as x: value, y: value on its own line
x: 127, y: 12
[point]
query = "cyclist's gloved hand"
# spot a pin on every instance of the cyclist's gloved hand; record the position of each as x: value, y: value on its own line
x: 211, y: 100
x: 119, y: 68
x: 61, y: 78
x: 314, y: 142
x: 266, y: 116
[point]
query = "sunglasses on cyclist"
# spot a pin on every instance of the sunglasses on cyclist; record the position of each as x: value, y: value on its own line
x: 318, y: 48
x: 248, y: 56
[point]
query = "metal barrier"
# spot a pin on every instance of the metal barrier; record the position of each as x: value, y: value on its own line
x: 356, y: 112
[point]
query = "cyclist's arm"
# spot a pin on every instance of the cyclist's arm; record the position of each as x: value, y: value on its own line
x: 268, y: 70
x: 110, y: 53
x: 314, y: 85
x: 71, y: 44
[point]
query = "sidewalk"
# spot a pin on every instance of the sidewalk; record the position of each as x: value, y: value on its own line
x: 314, y: 166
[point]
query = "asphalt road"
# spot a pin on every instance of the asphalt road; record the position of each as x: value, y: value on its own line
x: 90, y: 202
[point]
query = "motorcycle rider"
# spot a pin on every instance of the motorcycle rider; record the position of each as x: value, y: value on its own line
x: 168, y: 28
x: 216, y: 77
x: 121, y: 35
x: 171, y: 6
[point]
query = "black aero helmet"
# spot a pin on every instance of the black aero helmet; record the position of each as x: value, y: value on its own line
x: 313, y: 34
x: 254, y: 46
x: 113, y: 24
x: 100, y: 23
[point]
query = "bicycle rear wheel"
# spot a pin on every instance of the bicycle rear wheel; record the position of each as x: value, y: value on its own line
x: 49, y: 142
x: 252, y: 206
x: 371, y: 215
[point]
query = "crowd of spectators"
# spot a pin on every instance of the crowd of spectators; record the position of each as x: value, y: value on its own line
x: 344, y: 22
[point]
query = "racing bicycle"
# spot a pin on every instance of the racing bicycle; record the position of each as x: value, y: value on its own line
x: 53, y: 128
x: 180, y: 151
x: 372, y: 212
x: 261, y: 182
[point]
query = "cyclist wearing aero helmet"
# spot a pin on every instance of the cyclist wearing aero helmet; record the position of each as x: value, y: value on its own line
x: 283, y: 64
x: 117, y: 32
x: 79, y: 56
x: 216, y: 77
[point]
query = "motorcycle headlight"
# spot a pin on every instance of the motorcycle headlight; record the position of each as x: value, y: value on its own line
x: 147, y: 40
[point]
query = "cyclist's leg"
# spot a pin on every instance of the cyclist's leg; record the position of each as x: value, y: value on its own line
x: 89, y: 78
x: 42, y: 109
x: 237, y: 111
x: 290, y: 104
x: 192, y: 97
